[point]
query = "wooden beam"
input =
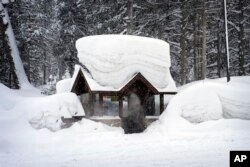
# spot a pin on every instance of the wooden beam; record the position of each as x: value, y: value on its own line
x: 161, y: 103
x: 120, y: 106
x: 141, y: 78
x: 107, y: 93
x: 101, y: 104
x: 167, y: 93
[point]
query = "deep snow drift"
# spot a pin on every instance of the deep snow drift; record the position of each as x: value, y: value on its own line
x: 40, y: 111
x: 180, y: 137
x: 206, y: 100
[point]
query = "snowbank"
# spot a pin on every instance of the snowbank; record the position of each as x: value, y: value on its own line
x: 198, y: 104
x: 52, y: 108
x: 24, y: 112
x: 64, y: 85
x: 206, y: 100
x: 40, y: 112
x: 114, y: 59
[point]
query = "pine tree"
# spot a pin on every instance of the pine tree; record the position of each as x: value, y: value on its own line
x: 46, y: 32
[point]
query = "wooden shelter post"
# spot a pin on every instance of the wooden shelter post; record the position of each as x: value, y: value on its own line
x: 120, y: 106
x: 101, y: 104
x: 91, y: 101
x: 161, y: 103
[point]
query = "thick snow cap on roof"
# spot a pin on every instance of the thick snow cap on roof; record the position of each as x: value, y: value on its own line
x: 114, y: 59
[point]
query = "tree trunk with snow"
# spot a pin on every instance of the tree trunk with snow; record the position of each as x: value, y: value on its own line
x: 6, y: 57
x: 13, y: 52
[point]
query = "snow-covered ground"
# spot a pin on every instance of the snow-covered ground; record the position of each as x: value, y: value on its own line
x: 199, y: 127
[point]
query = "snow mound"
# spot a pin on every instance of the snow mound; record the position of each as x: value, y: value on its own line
x: 64, y: 85
x: 114, y: 59
x: 39, y: 111
x: 52, y: 108
x: 196, y: 110
x: 204, y: 101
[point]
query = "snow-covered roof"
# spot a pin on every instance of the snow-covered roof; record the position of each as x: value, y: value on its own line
x: 113, y: 60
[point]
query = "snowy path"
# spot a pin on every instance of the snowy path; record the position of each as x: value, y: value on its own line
x: 115, y: 149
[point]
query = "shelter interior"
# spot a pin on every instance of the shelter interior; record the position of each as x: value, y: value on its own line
x: 138, y: 95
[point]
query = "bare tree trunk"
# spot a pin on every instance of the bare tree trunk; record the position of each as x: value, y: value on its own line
x: 219, y: 40
x: 44, y: 69
x: 27, y: 66
x: 183, y: 46
x: 183, y: 58
x: 60, y: 71
x: 28, y: 70
x: 46, y: 22
x: 130, y: 17
x: 241, y: 41
x: 204, y: 42
x: 195, y: 29
x: 227, y: 41
x: 219, y: 51
x: 218, y: 56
